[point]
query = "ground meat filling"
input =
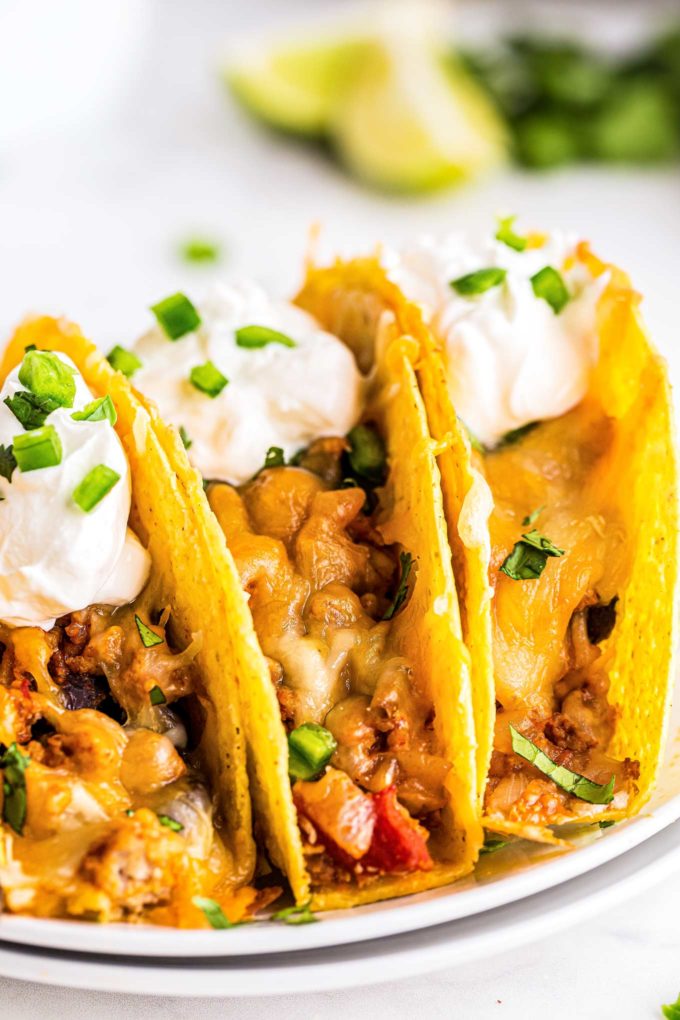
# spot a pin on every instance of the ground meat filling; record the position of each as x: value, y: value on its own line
x: 576, y: 735
x: 103, y: 757
x: 320, y: 579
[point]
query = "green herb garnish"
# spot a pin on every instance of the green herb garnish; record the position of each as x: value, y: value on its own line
x: 367, y: 455
x: 99, y: 410
x: 579, y: 786
x: 507, y: 235
x: 48, y: 378
x: 480, y: 281
x: 549, y: 285
x: 14, y: 764
x: 96, y: 484
x: 123, y: 361
x: 530, y: 518
x: 170, y: 823
x: 296, y: 915
x: 148, y: 637
x: 213, y: 913
x: 274, y: 457
x: 176, y: 316
x: 310, y: 748
x: 7, y: 461
x: 492, y: 844
x: 40, y: 448
x: 199, y: 249
x: 672, y: 1010
x: 529, y: 556
x: 606, y: 825
x: 514, y: 435
x: 208, y: 379
x: 184, y: 436
x: 406, y: 562
x: 253, y: 337
x: 156, y: 696
x: 30, y: 410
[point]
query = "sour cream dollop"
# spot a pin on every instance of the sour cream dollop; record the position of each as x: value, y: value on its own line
x: 276, y: 395
x: 54, y: 557
x: 511, y: 359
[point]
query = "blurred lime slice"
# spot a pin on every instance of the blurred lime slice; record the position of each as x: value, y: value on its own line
x: 409, y: 120
x: 294, y: 88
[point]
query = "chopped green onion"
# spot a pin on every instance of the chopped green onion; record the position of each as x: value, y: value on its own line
x: 406, y: 561
x: 672, y: 1010
x: 606, y: 825
x: 479, y: 281
x: 49, y: 378
x: 14, y: 764
x: 176, y: 316
x: 507, y: 235
x: 296, y: 915
x: 367, y: 455
x: 156, y: 696
x: 549, y: 285
x: 29, y: 410
x: 530, y: 518
x: 184, y: 436
x: 574, y: 783
x: 170, y: 823
x: 310, y: 748
x: 529, y: 556
x: 274, y: 457
x: 492, y: 844
x: 199, y: 249
x: 99, y: 410
x: 129, y: 812
x: 259, y: 336
x: 148, y: 637
x: 123, y: 361
x: 7, y: 461
x: 514, y: 435
x: 96, y: 484
x: 40, y: 448
x: 208, y: 379
x: 213, y: 913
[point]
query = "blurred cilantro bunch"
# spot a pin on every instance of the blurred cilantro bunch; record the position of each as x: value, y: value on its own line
x: 564, y: 101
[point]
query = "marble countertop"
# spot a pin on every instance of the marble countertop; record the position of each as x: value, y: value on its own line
x: 95, y: 197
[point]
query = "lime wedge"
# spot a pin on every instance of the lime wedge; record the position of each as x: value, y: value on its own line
x: 294, y: 89
x: 408, y: 120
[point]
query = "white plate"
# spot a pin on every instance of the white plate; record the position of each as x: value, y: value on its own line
x: 446, y: 945
x: 533, y: 870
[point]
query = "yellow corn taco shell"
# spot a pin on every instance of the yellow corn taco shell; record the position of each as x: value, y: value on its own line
x: 428, y: 630
x: 350, y: 298
x: 631, y: 386
x: 190, y: 572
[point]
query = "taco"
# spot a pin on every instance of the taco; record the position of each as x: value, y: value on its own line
x: 354, y: 678
x: 125, y: 791
x: 562, y: 511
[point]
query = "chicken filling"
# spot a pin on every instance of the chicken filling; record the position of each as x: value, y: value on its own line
x: 321, y: 585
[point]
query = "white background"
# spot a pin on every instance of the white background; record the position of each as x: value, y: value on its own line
x: 117, y: 142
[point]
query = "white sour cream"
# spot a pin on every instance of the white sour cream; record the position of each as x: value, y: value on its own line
x: 276, y: 395
x: 511, y: 359
x: 54, y: 557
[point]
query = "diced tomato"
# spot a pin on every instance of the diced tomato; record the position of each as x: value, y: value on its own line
x: 341, y: 812
x: 399, y: 843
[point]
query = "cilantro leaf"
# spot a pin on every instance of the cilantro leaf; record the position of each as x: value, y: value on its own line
x: 574, y: 783
x: 406, y: 561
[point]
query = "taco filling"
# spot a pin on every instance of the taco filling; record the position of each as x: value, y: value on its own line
x: 296, y: 473
x: 107, y: 804
x: 517, y: 324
